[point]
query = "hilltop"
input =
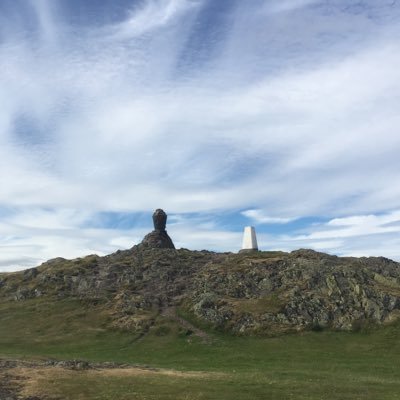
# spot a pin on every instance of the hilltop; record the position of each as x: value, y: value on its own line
x: 159, y: 323
x: 257, y: 293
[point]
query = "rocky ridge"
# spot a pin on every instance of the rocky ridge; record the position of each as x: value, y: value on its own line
x: 264, y: 293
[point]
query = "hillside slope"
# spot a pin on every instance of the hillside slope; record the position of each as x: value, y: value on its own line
x: 264, y: 293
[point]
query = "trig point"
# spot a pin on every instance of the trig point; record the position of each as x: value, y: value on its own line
x: 249, y: 239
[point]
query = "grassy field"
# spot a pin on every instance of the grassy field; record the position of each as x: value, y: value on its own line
x: 311, y: 365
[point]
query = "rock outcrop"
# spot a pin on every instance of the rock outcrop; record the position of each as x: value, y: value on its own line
x: 158, y: 238
x: 265, y: 293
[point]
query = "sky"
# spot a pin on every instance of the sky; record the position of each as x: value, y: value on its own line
x: 279, y: 114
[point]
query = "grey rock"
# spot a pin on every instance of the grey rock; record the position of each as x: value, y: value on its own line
x: 159, y: 220
x: 30, y: 273
x: 254, y: 293
x: 158, y: 239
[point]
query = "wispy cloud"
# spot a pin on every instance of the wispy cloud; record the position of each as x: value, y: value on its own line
x: 358, y: 235
x: 152, y: 15
x: 273, y: 7
x: 260, y: 217
x: 197, y: 108
x: 359, y: 225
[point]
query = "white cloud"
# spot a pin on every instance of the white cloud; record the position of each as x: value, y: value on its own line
x: 260, y: 217
x: 176, y: 140
x: 31, y: 236
x: 298, y: 119
x: 359, y: 226
x: 45, y: 14
x: 286, y: 5
x: 359, y: 235
x: 152, y: 15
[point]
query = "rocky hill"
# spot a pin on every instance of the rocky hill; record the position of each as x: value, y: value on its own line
x: 264, y: 293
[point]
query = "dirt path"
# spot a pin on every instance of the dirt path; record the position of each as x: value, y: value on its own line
x: 170, y: 312
x: 11, y: 383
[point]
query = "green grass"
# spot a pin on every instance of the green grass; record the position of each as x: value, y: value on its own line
x: 233, y: 387
x: 311, y: 365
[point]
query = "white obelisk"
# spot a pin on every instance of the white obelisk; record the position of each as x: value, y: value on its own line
x: 249, y: 239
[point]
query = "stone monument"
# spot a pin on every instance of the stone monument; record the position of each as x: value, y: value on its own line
x: 249, y: 239
x: 159, y: 238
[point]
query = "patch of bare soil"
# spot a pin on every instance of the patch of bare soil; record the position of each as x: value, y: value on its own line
x: 23, y: 380
x: 12, y: 382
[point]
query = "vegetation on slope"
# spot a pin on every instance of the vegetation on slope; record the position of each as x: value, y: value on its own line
x: 264, y: 293
x: 308, y: 365
x: 274, y: 325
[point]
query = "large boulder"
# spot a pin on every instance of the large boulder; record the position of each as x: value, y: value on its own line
x: 158, y: 240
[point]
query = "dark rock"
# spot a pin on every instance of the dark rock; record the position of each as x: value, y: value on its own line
x: 257, y: 293
x: 23, y: 294
x: 159, y: 220
x: 158, y: 239
x: 30, y: 273
x: 77, y: 365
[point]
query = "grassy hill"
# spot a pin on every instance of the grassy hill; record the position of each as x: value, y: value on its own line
x: 308, y: 365
x: 160, y: 316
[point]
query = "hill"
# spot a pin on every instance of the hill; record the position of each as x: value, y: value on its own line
x: 177, y: 324
x: 262, y: 293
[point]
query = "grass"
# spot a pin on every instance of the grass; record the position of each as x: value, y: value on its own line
x: 311, y: 365
x: 97, y: 385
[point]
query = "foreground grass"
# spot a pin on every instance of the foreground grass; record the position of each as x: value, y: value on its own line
x: 312, y: 365
x: 126, y: 384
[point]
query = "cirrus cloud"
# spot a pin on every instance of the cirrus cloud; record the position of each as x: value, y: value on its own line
x: 199, y: 108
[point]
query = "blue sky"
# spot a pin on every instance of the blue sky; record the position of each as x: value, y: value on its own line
x: 279, y: 114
